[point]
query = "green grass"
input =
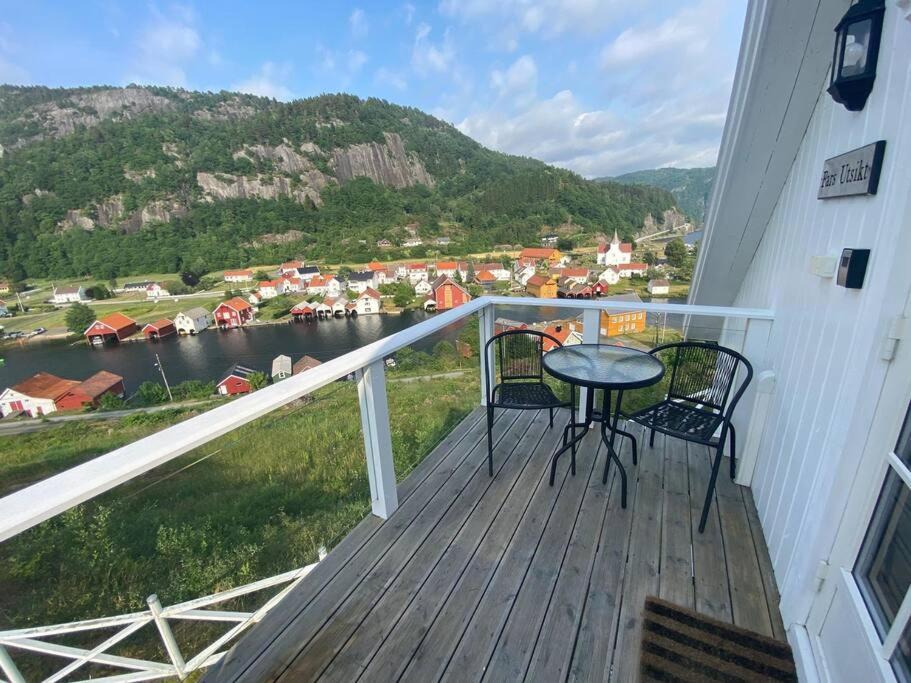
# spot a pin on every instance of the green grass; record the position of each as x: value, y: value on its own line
x: 259, y: 501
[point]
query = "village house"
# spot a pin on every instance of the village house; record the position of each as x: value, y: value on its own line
x: 565, y: 333
x: 338, y: 305
x: 570, y: 289
x: 159, y: 329
x: 269, y: 289
x: 316, y: 286
x: 374, y: 266
x: 255, y: 298
x: 305, y: 363
x: 615, y: 252
x: 333, y: 286
x: 445, y: 268
x: 155, y: 291
x: 281, y: 368
x: 626, y: 322
x: 447, y: 293
x: 523, y: 273
x: 4, y: 310
x: 368, y: 302
x: 500, y: 273
x: 542, y: 286
x: 384, y: 244
x: 5, y: 287
x: 610, y: 275
x: 361, y: 281
x: 415, y: 272
x: 289, y: 268
x: 111, y: 329
x: 443, y: 241
x: 600, y: 288
x: 571, y: 274
x: 291, y: 284
x: 193, y: 321
x: 236, y: 380
x: 69, y: 295
x: 35, y: 396
x: 90, y: 391
x: 413, y: 242
x: 238, y: 275
x: 630, y: 269
x: 503, y: 324
x: 131, y: 287
x: 423, y: 288
x: 307, y: 272
x: 485, y: 279
x: 659, y: 287
x: 532, y: 256
x: 386, y: 276
x: 302, y: 311
x: 323, y: 310
x: 233, y: 313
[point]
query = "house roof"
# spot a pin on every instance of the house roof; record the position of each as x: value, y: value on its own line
x: 308, y: 270
x: 538, y: 280
x: 117, y: 321
x: 417, y: 266
x: 236, y: 303
x: 626, y: 247
x: 659, y: 283
x: 574, y: 272
x: 485, y: 276
x: 97, y: 384
x: 291, y: 264
x: 488, y: 266
x: 317, y: 281
x: 361, y: 276
x: 373, y: 265
x: 302, y: 307
x: 73, y: 289
x: 281, y: 364
x: 137, y: 285
x: 633, y: 266
x: 198, y: 312
x: 444, y: 280
x: 239, y: 273
x: 158, y: 324
x: 371, y: 292
x: 561, y: 334
x: 237, y: 370
x: 305, y: 363
x: 446, y: 265
x: 45, y: 385
x: 538, y: 252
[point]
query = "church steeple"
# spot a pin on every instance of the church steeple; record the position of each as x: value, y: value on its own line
x: 616, y: 239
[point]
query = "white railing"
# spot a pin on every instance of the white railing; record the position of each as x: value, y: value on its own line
x: 34, y: 639
x: 747, y: 330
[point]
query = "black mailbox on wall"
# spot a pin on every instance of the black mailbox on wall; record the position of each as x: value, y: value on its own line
x: 853, y: 267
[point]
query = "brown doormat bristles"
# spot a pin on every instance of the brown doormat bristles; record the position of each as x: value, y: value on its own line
x: 679, y: 644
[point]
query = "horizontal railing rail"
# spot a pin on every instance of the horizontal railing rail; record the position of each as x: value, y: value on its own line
x: 45, y: 499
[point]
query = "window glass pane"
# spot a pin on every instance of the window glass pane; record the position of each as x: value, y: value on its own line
x: 903, y: 447
x: 883, y: 568
x: 901, y: 658
x: 857, y: 43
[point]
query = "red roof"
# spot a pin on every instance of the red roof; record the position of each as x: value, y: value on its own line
x: 236, y: 304
x: 562, y: 335
x: 538, y: 280
x: 302, y: 307
x: 538, y: 252
x: 417, y: 266
x: 574, y: 272
x: 290, y: 264
x: 626, y: 248
x: 98, y: 383
x: 116, y: 321
x: 485, y: 276
x: 374, y: 266
x: 45, y: 385
x: 370, y: 291
x: 633, y: 266
x: 446, y: 265
x: 317, y: 281
x: 158, y: 324
x: 239, y: 273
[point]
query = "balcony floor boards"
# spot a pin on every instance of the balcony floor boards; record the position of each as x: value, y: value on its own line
x: 506, y: 578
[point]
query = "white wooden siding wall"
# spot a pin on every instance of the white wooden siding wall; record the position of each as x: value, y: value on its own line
x: 825, y: 342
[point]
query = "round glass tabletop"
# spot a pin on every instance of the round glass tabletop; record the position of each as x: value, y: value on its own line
x: 603, y: 366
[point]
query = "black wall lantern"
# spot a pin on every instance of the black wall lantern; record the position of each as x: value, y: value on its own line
x: 856, y: 52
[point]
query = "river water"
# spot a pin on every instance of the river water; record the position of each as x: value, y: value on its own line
x: 207, y: 355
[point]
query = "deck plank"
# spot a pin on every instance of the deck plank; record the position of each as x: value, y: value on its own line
x: 254, y: 645
x: 676, y: 580
x: 713, y: 596
x: 641, y: 576
x: 480, y: 637
x: 467, y: 520
x: 770, y: 585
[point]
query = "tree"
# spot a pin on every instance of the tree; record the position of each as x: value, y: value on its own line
x: 150, y: 394
x: 676, y: 252
x: 99, y: 292
x: 649, y: 257
x: 189, y: 278
x: 109, y: 401
x: 78, y: 318
x: 258, y: 380
x: 260, y: 275
x: 404, y: 294
x: 564, y: 244
x: 470, y: 272
x: 475, y: 290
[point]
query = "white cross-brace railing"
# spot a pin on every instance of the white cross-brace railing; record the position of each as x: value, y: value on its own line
x: 33, y: 639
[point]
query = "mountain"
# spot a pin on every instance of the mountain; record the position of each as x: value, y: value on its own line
x: 691, y: 187
x: 112, y: 181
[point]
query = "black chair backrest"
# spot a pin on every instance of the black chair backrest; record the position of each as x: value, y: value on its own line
x: 519, y: 354
x: 704, y: 373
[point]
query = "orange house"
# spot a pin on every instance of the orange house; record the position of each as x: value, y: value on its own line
x: 531, y: 256
x: 542, y: 287
x: 626, y: 322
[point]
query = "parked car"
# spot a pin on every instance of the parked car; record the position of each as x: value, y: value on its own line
x: 40, y: 330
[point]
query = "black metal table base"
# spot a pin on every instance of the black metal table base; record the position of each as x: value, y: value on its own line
x: 609, y: 432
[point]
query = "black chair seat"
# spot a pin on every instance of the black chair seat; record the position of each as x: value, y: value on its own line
x: 680, y: 420
x: 525, y: 395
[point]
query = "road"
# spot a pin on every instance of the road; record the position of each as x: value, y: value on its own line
x: 24, y: 426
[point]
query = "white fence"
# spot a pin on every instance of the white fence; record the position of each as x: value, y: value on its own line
x: 744, y: 329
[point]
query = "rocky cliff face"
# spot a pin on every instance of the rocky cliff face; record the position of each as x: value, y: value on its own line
x: 283, y: 156
x: 385, y: 164
x: 670, y: 219
x: 227, y: 186
x: 111, y: 213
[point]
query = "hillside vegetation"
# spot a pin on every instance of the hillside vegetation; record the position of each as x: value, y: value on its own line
x: 116, y: 181
x: 691, y: 187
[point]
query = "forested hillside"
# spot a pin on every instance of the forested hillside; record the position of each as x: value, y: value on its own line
x: 116, y: 181
x: 691, y: 187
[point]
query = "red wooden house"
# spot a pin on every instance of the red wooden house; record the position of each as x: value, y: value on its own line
x: 600, y: 288
x: 90, y: 391
x: 235, y: 381
x: 111, y: 329
x: 233, y: 313
x: 447, y: 293
x: 159, y: 328
x: 303, y: 311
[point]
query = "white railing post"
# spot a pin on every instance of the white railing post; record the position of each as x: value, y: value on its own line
x: 167, y: 636
x: 750, y: 416
x: 9, y: 668
x: 371, y: 392
x: 591, y: 334
x: 485, y: 320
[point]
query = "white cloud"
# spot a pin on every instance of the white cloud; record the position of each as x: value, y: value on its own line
x: 430, y: 57
x: 384, y: 76
x: 356, y: 59
x: 357, y: 22
x: 165, y: 47
x: 408, y: 10
x: 268, y: 82
x: 546, y: 17
x: 519, y: 81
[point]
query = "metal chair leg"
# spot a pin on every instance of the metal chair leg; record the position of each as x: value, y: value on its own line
x: 551, y: 411
x: 651, y: 439
x: 711, y: 488
x: 733, y: 452
x: 490, y: 440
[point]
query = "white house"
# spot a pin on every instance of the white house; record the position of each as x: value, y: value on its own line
x: 333, y: 286
x: 659, y: 287
x: 192, y: 321
x: 368, y: 302
x: 4, y: 310
x: 69, y: 295
x: 630, y: 269
x: 610, y: 275
x: 415, y: 272
x: 615, y: 252
x: 155, y: 291
x: 34, y: 396
x: 361, y: 281
x: 291, y: 284
x: 238, y: 276
x: 831, y: 478
x: 523, y: 273
x: 413, y: 242
x: 423, y: 287
x: 281, y: 368
x: 269, y: 289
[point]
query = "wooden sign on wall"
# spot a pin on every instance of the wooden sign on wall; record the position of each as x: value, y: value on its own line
x: 853, y: 173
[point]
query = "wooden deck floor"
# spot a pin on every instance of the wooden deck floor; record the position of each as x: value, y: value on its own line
x: 506, y: 578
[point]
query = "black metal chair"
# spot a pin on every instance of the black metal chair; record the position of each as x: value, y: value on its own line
x: 518, y: 378
x: 699, y: 401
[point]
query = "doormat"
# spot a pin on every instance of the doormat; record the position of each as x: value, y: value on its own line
x: 679, y: 644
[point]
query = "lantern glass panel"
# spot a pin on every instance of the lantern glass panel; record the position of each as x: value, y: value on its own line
x: 856, y: 48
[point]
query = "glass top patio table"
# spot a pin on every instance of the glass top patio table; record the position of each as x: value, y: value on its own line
x: 604, y: 366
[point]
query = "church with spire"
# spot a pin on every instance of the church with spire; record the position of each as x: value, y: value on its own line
x: 615, y: 253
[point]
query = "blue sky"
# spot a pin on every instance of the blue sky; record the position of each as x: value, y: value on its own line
x: 598, y: 86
